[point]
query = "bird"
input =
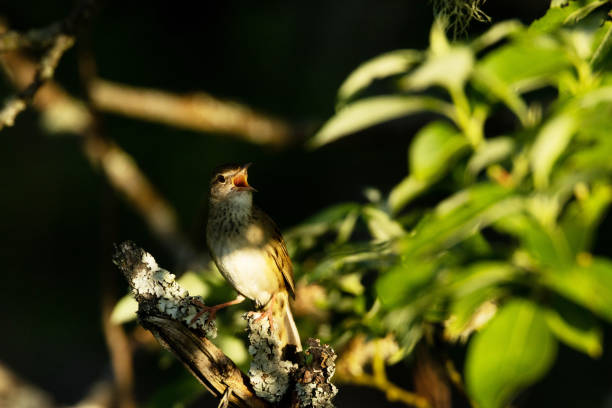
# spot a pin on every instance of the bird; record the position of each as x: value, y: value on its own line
x: 249, y: 251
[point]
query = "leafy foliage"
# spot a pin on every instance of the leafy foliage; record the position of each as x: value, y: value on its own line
x: 506, y: 250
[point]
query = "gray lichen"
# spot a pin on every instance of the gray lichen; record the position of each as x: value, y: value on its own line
x: 313, y: 386
x: 156, y: 289
x: 269, y: 374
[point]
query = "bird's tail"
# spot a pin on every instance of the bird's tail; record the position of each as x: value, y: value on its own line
x: 288, y: 332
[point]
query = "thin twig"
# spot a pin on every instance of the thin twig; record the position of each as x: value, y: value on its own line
x: 45, y: 71
x: 59, y: 37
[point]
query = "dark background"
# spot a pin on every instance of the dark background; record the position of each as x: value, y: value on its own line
x: 284, y: 58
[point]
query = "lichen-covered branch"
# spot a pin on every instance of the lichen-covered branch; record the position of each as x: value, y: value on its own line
x: 313, y: 378
x: 270, y: 373
x: 198, y: 111
x: 277, y: 376
x: 166, y: 310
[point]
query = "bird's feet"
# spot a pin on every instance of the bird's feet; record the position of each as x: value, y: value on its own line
x: 212, y: 310
x: 265, y: 314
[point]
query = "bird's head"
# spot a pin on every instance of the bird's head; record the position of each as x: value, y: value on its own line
x: 229, y: 182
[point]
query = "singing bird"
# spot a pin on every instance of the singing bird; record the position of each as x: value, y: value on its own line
x: 249, y: 251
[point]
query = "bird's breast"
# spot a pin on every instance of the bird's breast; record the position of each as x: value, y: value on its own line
x: 246, y: 267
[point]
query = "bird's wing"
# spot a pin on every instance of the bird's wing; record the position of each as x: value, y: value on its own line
x: 276, y: 248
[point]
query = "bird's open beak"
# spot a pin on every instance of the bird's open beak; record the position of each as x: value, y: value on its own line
x: 239, y: 180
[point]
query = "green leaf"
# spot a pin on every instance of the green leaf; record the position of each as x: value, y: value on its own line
x: 408, y: 189
x: 583, y: 215
x: 478, y: 276
x: 125, y: 310
x: 548, y: 247
x: 496, y: 89
x: 385, y: 65
x: 458, y: 218
x: 304, y: 235
x: 497, y: 33
x: 589, y: 285
x: 527, y: 64
x: 513, y: 351
x: 584, y: 11
x: 380, y: 224
x: 434, y: 150
x: 550, y: 142
x: 400, y: 284
x: 602, y: 44
x: 372, y: 111
x: 490, y: 152
x: 575, y: 327
x: 554, y: 18
x: 469, y: 313
x: 449, y: 69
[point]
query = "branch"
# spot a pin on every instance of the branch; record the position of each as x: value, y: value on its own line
x: 64, y: 113
x: 163, y: 304
x: 167, y: 310
x: 58, y: 38
x: 360, y: 353
x: 198, y: 111
x: 45, y: 71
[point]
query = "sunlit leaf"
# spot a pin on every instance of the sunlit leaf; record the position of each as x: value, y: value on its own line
x: 491, y: 151
x: 589, y: 285
x: 434, y: 149
x: 497, y: 33
x: 368, y: 112
x: 409, y: 188
x: 582, y: 12
x: 380, y: 224
x: 125, y: 310
x: 551, y: 141
x: 513, y: 351
x: 497, y: 89
x: 391, y: 63
x: 449, y: 69
x: 462, y: 282
x: 470, y: 313
x: 555, y: 17
x: 526, y: 64
x: 575, y: 327
x: 459, y: 217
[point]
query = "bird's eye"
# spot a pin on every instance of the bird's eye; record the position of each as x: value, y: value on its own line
x: 220, y: 179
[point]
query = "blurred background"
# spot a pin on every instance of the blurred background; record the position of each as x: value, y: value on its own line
x: 285, y: 61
